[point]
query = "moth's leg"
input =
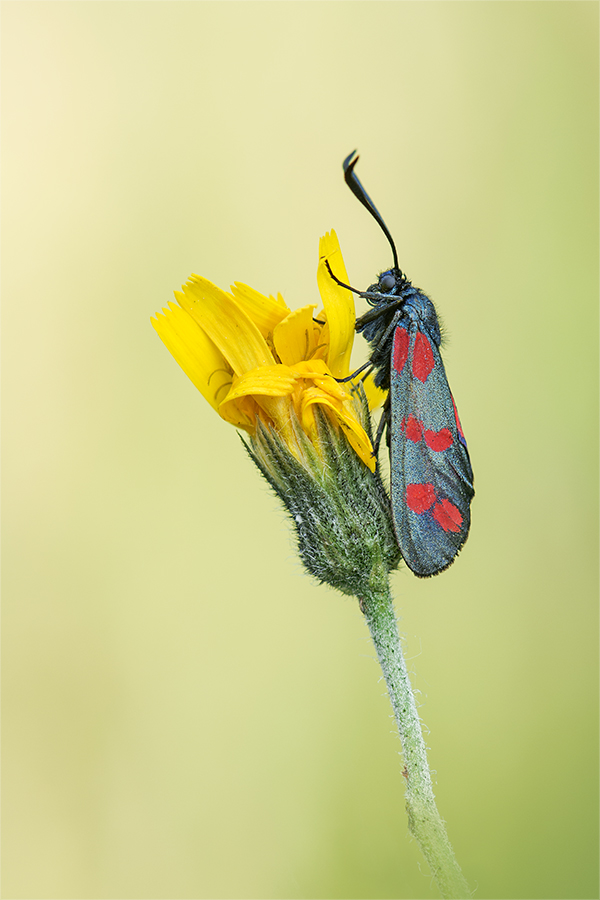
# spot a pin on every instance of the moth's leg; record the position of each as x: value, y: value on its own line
x: 384, y: 423
x: 391, y: 327
x: 384, y: 310
x: 360, y: 369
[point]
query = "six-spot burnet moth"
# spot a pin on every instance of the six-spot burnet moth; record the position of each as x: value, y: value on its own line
x: 430, y: 471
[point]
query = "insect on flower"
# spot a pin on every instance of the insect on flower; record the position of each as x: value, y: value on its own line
x: 430, y: 471
x: 279, y: 376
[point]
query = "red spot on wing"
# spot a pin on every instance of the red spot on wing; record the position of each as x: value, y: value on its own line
x: 458, y: 425
x: 438, y: 440
x: 413, y: 429
x: 401, y: 341
x: 420, y: 497
x: 422, y: 363
x: 447, y: 515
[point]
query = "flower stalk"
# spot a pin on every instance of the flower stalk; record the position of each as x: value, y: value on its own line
x: 424, y: 821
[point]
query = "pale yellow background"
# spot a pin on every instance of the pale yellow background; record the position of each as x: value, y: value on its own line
x: 186, y: 715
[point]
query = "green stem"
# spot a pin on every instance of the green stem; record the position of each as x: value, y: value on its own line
x: 424, y: 821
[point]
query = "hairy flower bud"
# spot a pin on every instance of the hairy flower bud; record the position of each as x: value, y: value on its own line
x: 339, y: 507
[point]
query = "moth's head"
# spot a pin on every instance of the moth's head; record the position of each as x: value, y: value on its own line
x: 390, y: 283
x: 387, y: 281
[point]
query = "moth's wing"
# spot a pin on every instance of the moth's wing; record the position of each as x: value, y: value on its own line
x: 431, y: 475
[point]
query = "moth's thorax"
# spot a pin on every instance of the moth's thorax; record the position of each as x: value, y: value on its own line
x: 399, y: 303
x: 416, y: 308
x: 419, y: 311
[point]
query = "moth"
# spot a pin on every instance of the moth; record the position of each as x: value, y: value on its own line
x: 431, y: 478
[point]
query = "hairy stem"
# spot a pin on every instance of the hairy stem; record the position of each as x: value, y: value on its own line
x: 424, y: 821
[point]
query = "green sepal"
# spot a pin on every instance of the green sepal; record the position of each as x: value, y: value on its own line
x: 340, y: 509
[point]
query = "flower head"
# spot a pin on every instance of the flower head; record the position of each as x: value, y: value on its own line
x: 255, y: 360
x: 278, y: 375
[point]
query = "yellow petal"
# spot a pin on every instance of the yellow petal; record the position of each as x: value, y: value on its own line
x: 294, y: 337
x: 271, y: 381
x: 343, y: 415
x: 264, y: 382
x: 226, y: 324
x: 201, y: 361
x: 338, y: 303
x: 265, y: 312
x: 273, y: 411
x: 375, y: 396
x: 312, y: 368
x: 242, y: 413
x: 318, y: 371
x: 359, y: 441
x: 321, y: 351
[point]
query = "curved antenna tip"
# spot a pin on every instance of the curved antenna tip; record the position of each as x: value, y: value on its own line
x: 348, y: 162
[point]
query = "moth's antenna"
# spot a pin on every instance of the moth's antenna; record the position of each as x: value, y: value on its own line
x: 359, y: 192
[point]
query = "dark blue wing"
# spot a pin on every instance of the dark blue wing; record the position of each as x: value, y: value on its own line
x: 431, y: 475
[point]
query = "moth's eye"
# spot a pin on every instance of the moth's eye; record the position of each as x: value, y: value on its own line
x: 387, y: 283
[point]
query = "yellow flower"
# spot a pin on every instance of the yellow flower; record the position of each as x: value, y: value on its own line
x: 279, y: 375
x: 258, y: 362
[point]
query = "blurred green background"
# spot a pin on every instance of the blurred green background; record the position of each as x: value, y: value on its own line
x: 186, y: 715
